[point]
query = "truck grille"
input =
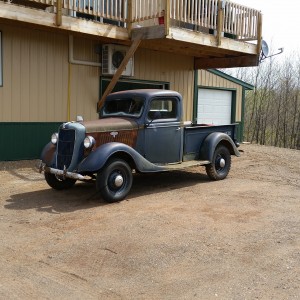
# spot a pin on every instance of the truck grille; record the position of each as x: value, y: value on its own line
x: 65, y: 148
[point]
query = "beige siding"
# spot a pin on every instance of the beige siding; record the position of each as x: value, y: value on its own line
x: 39, y: 85
x: 84, y: 80
x: 84, y: 92
x: 176, y: 69
x: 36, y: 74
x: 208, y: 79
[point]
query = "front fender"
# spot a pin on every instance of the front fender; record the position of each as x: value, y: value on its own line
x: 98, y: 158
x: 48, y: 154
x: 212, y: 141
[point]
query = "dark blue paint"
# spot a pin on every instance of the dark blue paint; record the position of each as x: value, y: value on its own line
x: 98, y: 158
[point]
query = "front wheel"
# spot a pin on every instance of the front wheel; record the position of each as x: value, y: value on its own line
x: 220, y: 166
x: 114, y: 181
x: 58, y: 183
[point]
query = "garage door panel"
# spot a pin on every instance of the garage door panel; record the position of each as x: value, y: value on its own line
x: 214, y: 106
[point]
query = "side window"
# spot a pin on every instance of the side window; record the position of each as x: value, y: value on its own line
x: 1, y: 76
x: 163, y: 109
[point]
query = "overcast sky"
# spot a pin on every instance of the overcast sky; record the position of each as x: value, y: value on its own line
x: 281, y: 22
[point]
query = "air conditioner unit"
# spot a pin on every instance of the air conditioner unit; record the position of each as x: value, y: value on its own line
x: 112, y: 57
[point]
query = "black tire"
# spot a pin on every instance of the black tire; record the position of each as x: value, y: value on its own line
x: 114, y: 181
x: 220, y: 165
x: 57, y: 183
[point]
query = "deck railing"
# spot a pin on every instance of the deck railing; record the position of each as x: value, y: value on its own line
x: 143, y: 10
x: 109, y: 9
x: 241, y: 21
x: 219, y: 17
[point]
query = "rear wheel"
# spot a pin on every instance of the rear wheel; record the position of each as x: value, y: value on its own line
x: 220, y: 166
x: 58, y: 183
x: 114, y: 181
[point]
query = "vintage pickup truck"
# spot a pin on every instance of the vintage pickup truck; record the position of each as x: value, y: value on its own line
x: 138, y: 131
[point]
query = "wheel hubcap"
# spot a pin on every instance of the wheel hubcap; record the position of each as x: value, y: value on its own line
x: 118, y: 181
x: 222, y: 163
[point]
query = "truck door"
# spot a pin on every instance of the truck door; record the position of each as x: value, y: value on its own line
x: 163, y: 134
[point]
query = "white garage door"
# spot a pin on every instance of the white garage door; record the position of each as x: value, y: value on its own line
x: 214, y: 107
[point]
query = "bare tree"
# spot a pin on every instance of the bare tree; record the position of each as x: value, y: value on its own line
x: 272, y: 110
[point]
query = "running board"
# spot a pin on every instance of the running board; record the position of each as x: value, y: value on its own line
x: 185, y: 164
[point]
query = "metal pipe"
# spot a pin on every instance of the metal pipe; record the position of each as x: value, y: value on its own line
x: 69, y: 93
x: 76, y: 61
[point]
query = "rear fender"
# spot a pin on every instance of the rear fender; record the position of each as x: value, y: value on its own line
x: 98, y: 158
x: 211, y: 142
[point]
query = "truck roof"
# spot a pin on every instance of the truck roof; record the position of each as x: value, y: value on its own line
x: 146, y: 93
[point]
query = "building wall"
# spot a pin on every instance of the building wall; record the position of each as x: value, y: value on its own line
x: 176, y: 69
x: 35, y: 71
x: 208, y: 79
x: 36, y: 76
x: 40, y: 86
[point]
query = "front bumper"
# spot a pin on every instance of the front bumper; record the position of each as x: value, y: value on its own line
x: 62, y: 173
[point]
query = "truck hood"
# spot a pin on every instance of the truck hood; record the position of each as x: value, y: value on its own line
x: 109, y: 124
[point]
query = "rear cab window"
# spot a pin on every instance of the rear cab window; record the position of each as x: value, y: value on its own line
x: 163, y: 109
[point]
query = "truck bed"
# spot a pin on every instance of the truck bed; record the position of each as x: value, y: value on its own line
x: 194, y: 135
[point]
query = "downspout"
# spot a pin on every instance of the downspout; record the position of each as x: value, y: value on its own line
x: 69, y: 93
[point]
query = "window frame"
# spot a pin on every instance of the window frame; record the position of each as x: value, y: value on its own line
x: 174, y: 101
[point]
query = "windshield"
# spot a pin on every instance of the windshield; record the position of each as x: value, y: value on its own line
x: 131, y: 107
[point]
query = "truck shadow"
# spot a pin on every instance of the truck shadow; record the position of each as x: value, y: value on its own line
x: 84, y: 196
x: 145, y: 184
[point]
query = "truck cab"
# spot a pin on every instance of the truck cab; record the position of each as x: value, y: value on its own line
x: 139, y: 130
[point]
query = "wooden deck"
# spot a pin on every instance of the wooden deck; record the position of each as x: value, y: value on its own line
x: 216, y: 33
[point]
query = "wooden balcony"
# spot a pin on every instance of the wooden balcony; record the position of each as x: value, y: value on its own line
x: 219, y: 34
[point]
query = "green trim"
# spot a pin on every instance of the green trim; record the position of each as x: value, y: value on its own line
x: 242, y: 124
x: 25, y: 140
x: 232, y: 79
x: 216, y: 88
x: 233, y: 107
x: 233, y: 99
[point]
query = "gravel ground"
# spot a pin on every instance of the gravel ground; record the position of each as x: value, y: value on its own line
x: 177, y: 235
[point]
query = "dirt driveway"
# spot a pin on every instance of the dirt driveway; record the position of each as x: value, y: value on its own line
x: 177, y: 236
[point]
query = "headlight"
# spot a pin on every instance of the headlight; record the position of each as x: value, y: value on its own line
x: 54, y: 138
x: 89, y: 142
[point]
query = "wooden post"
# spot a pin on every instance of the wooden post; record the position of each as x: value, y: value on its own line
x: 220, y: 22
x: 167, y: 17
x: 58, y: 12
x: 129, y: 17
x: 119, y: 72
x: 259, y: 33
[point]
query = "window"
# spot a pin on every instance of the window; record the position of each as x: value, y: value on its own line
x: 1, y: 76
x: 163, y: 109
x: 123, y: 107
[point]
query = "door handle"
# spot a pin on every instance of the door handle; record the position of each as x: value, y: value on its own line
x: 177, y: 128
